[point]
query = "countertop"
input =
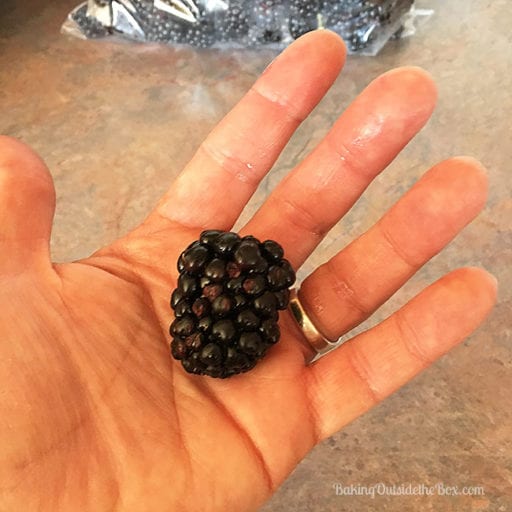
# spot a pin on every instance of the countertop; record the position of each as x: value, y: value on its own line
x: 116, y: 122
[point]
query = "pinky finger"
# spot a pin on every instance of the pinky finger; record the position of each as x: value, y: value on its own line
x: 362, y: 372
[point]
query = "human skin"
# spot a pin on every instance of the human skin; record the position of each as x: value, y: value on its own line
x: 95, y: 414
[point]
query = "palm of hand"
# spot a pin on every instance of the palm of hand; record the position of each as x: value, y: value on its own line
x: 98, y: 415
x: 109, y: 406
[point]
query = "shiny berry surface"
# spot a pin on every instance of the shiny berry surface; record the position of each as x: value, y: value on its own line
x: 226, y: 305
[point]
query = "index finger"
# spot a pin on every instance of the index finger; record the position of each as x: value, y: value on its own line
x: 221, y: 177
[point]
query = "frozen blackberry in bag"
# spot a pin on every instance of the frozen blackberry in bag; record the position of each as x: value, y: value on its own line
x: 266, y: 21
x: 305, y: 16
x: 200, y: 35
x: 234, y: 23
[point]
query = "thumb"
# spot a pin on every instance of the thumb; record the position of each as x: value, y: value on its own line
x: 27, y: 204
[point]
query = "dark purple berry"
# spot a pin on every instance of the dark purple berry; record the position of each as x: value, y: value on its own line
x: 201, y: 307
x: 272, y: 251
x: 193, y: 259
x: 273, y: 315
x: 182, y: 309
x: 188, y: 285
x: 251, y: 343
x: 209, y: 236
x: 265, y: 304
x: 234, y: 285
x: 215, y: 270
x: 270, y: 331
x: 194, y: 341
x: 247, y: 256
x: 226, y: 303
x: 250, y: 239
x: 236, y: 360
x: 260, y: 267
x: 280, y: 276
x: 239, y: 301
x: 182, y: 327
x: 289, y: 272
x: 254, y: 285
x: 178, y: 349
x: 233, y: 269
x: 283, y: 298
x: 205, y: 324
x: 221, y: 306
x: 212, y: 291
x: 214, y: 371
x: 192, y: 364
x: 223, y: 331
x: 204, y: 281
x: 211, y: 355
x: 247, y: 320
x: 225, y: 244
x: 176, y: 296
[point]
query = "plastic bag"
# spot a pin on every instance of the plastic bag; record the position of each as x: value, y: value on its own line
x: 365, y: 25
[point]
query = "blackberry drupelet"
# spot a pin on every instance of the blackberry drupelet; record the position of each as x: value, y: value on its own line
x: 230, y: 290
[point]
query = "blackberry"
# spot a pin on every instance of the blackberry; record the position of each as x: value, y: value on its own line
x: 234, y: 24
x: 303, y: 16
x: 265, y: 21
x: 201, y: 35
x: 226, y: 305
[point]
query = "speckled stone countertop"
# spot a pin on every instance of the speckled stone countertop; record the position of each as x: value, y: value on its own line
x: 116, y: 122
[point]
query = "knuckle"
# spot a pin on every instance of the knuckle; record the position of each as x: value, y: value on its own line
x: 235, y: 165
x: 410, y: 339
x: 300, y: 217
x: 351, y: 158
x: 284, y: 106
x: 363, y: 372
x: 345, y: 292
x: 395, y: 247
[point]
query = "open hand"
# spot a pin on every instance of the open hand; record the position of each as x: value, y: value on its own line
x: 96, y: 415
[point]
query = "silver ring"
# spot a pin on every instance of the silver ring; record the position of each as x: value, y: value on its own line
x: 318, y: 342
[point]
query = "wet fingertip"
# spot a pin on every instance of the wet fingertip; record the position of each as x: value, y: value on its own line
x: 413, y: 74
x: 478, y: 281
x: 471, y: 163
x: 412, y: 82
x: 328, y: 45
x: 472, y: 175
x: 484, y: 275
x: 324, y: 36
x: 333, y: 41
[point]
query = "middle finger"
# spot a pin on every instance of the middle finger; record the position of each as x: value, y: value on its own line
x: 364, y: 140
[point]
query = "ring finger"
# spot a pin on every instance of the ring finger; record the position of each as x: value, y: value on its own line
x: 348, y: 288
